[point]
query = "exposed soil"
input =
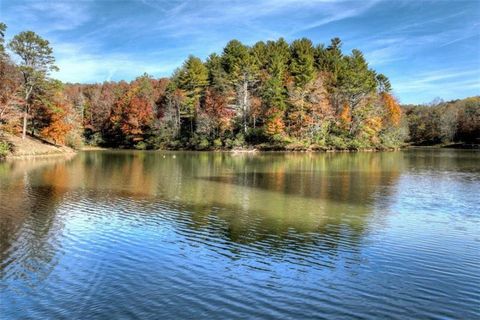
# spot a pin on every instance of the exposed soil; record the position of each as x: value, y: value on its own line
x: 33, y: 146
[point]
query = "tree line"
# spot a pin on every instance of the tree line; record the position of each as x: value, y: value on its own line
x: 441, y: 122
x: 271, y: 95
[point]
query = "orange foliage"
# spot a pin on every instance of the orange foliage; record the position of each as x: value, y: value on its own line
x: 137, y: 114
x: 345, y: 115
x: 300, y: 123
x: 394, y: 112
x: 58, y: 126
x: 274, y: 124
x: 132, y: 113
x: 216, y: 109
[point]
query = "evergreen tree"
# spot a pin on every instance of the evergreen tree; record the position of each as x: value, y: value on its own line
x: 192, y: 79
x: 36, y: 61
x: 302, y: 62
x: 242, y: 70
x: 217, y: 76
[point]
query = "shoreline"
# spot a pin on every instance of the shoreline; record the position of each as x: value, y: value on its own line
x: 251, y: 150
x: 38, y: 155
x: 58, y: 151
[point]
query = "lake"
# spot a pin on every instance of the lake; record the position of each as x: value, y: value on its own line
x: 176, y: 235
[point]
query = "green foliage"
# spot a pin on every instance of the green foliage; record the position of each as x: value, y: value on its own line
x: 36, y: 61
x: 302, y: 62
x: 394, y: 137
x: 74, y: 140
x: 355, y: 80
x: 35, y: 53
x: 256, y: 136
x: 237, y: 62
x: 337, y: 142
x: 3, y: 28
x: 444, y: 122
x: 239, y: 141
x: 274, y: 94
x: 321, y: 134
x: 141, y: 145
x: 5, y: 149
x: 217, y: 76
x: 383, y: 84
x: 193, y: 76
x: 94, y: 139
x: 217, y: 143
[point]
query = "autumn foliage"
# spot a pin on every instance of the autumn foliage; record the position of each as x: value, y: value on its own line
x: 272, y: 93
x: 56, y: 118
x: 393, y: 109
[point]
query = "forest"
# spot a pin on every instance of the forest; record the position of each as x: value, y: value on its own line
x: 273, y: 95
x: 440, y: 122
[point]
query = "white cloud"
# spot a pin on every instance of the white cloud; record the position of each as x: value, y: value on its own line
x: 203, y: 23
x: 61, y: 15
x: 447, y: 79
x: 76, y: 65
x: 193, y: 18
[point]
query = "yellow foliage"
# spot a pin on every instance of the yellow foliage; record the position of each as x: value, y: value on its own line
x: 394, y: 112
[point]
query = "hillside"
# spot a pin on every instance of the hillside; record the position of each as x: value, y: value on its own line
x: 33, y: 146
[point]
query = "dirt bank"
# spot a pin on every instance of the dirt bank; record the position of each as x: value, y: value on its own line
x: 32, y: 146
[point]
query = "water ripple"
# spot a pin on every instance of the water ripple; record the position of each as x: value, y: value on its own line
x: 355, y: 236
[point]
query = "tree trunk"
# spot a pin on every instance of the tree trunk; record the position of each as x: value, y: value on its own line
x: 28, y: 91
x: 24, y: 132
x: 245, y: 103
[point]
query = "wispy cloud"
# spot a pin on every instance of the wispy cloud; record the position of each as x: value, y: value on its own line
x: 120, y: 39
x: 428, y: 80
x: 201, y: 23
x: 337, y: 12
x: 255, y: 17
x: 448, y: 83
x: 77, y: 65
x: 61, y: 15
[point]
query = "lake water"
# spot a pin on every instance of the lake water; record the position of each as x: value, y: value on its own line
x: 171, y: 235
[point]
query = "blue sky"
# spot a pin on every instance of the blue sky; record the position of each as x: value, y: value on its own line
x: 428, y: 49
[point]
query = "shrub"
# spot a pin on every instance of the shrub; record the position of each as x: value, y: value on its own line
x: 94, y: 139
x: 5, y: 148
x: 239, y: 140
x: 228, y: 143
x: 73, y: 140
x: 321, y: 134
x: 217, y: 143
x: 337, y: 142
x: 141, y: 145
x: 204, y: 144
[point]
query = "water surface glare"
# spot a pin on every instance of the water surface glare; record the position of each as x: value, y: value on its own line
x: 172, y: 235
